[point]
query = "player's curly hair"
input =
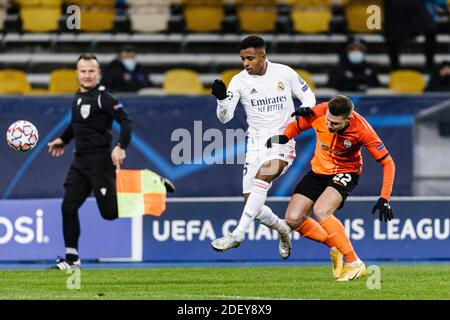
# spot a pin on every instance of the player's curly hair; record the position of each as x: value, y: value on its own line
x: 252, y: 42
x: 341, y: 106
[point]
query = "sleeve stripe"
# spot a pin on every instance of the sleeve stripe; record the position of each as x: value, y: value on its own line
x: 383, y: 157
x: 298, y: 126
x: 99, y: 101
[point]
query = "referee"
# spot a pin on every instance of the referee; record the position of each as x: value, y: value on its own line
x: 93, y: 169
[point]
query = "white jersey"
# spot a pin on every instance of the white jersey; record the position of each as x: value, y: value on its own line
x: 267, y: 100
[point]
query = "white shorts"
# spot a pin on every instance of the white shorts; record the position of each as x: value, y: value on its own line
x: 255, y: 158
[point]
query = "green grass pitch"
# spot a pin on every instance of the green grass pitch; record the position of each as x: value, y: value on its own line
x: 216, y: 283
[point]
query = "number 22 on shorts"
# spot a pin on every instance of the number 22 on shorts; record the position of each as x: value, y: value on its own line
x: 342, y: 178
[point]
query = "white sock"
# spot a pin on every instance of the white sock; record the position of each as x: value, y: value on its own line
x: 73, y: 251
x: 254, y: 204
x: 266, y: 217
x: 357, y: 263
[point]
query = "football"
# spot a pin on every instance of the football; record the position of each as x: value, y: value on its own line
x: 22, y: 136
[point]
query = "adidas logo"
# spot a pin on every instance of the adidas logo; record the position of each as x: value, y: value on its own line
x: 253, y: 91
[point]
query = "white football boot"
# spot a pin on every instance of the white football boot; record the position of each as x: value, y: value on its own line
x: 285, y: 245
x: 225, y: 243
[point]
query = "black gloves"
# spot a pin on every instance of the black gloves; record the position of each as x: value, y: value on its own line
x: 385, y: 209
x: 219, y: 89
x: 303, y: 112
x: 281, y: 139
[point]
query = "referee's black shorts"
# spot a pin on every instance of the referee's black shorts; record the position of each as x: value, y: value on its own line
x: 313, y: 185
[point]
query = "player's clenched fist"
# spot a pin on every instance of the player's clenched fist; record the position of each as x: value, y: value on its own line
x: 280, y: 139
x: 219, y: 89
x: 303, y: 112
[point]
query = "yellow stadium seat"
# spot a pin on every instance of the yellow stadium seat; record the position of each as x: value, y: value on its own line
x: 307, y: 76
x: 257, y: 19
x: 42, y: 3
x: 310, y: 2
x: 203, y: 18
x: 2, y: 18
x: 202, y: 2
x: 14, y: 82
x: 227, y: 75
x: 311, y: 20
x: 97, y: 20
x: 256, y: 2
x: 406, y: 81
x: 356, y: 15
x: 94, y: 3
x: 182, y: 81
x: 63, y: 81
x: 40, y: 19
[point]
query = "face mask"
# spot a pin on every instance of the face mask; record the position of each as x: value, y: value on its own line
x: 130, y: 64
x: 356, y: 57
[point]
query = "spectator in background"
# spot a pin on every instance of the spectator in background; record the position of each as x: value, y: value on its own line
x: 407, y: 19
x: 124, y: 74
x: 353, y: 72
x: 440, y: 78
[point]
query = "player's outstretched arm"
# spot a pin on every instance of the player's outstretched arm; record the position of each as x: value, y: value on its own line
x: 56, y: 147
x: 383, y: 205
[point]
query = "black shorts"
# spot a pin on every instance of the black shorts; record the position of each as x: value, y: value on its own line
x: 313, y: 185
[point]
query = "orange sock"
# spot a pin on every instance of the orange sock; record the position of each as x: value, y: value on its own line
x: 311, y: 229
x: 338, y: 238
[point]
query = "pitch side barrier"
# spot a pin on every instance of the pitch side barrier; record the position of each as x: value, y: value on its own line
x: 420, y: 230
x: 31, y: 230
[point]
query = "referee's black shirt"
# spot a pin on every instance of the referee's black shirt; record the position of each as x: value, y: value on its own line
x: 92, y: 115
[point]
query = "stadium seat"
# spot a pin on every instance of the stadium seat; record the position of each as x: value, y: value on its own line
x: 406, y: 81
x: 14, y: 82
x: 356, y: 15
x: 311, y: 19
x: 41, y: 3
x: 227, y: 75
x: 182, y: 81
x: 149, y: 15
x: 94, y: 3
x: 149, y: 19
x: 63, y: 81
x: 309, y: 2
x: 306, y: 75
x: 202, y: 2
x: 97, y: 20
x: 203, y: 18
x: 3, y: 14
x: 257, y: 19
x: 40, y: 19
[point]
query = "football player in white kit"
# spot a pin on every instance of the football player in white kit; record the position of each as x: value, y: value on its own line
x: 265, y: 91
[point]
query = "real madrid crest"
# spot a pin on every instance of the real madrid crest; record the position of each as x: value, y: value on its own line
x: 280, y: 86
x: 347, y: 143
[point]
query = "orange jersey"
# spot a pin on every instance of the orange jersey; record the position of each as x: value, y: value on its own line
x: 339, y: 152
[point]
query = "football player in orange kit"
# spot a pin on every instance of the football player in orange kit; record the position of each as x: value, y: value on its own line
x: 336, y: 166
